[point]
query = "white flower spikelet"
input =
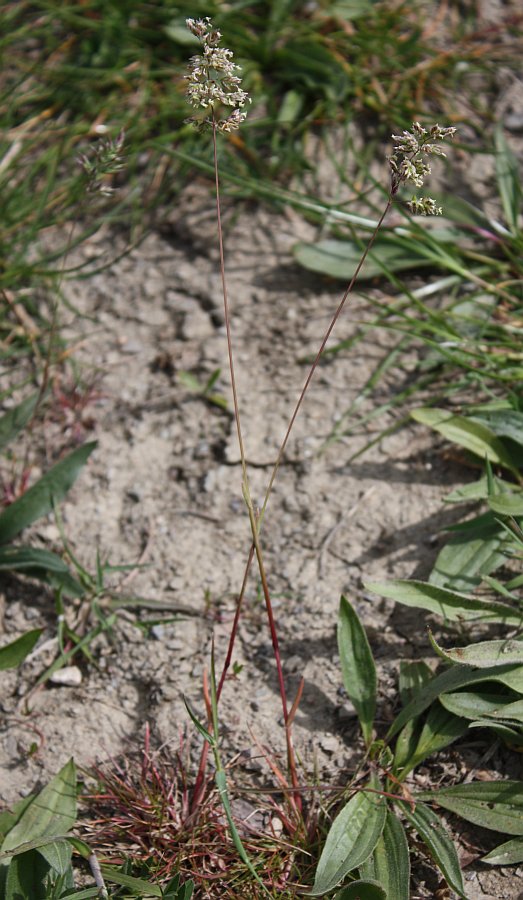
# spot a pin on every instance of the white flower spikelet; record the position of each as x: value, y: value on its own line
x: 212, y: 79
x: 407, y: 162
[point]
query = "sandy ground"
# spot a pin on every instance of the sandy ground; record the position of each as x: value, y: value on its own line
x: 163, y: 489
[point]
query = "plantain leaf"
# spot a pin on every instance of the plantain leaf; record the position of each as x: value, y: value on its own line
x: 434, y: 835
x: 453, y: 679
x: 475, y: 704
x: 39, y: 500
x: 42, y: 565
x: 362, y: 890
x: 357, y: 666
x: 352, y: 838
x: 453, y: 606
x: 13, y: 421
x: 507, y: 854
x: 497, y: 805
x: 389, y: 865
x: 507, y: 504
x: 473, y: 551
x: 339, y: 259
x: 14, y: 653
x: 474, y: 436
x: 58, y: 855
x: 483, y: 655
x: 51, y: 812
x: 440, y: 729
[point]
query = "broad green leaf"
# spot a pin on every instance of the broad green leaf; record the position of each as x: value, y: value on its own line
x: 483, y: 655
x: 452, y: 605
x: 389, y: 865
x: 473, y: 704
x: 434, y: 835
x: 357, y: 667
x: 412, y: 679
x: 26, y: 876
x: 52, y: 812
x: 473, y: 551
x: 9, y: 817
x: 39, y: 500
x: 505, y: 422
x: 510, y: 732
x: 339, y: 259
x: 507, y: 854
x: 348, y: 9
x: 477, y: 490
x: 362, y: 890
x: 58, y: 855
x: 497, y: 805
x: 512, y: 738
x: 13, y: 421
x: 351, y: 840
x: 14, y: 653
x: 512, y: 711
x: 507, y: 504
x: 509, y: 180
x: 465, y: 432
x: 451, y: 680
x: 137, y: 885
x: 40, y: 564
x: 441, y: 728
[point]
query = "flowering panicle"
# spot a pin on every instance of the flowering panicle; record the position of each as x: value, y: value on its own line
x: 407, y: 163
x: 106, y: 159
x: 212, y: 80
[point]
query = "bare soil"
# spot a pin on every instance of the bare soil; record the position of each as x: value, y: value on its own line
x: 163, y: 489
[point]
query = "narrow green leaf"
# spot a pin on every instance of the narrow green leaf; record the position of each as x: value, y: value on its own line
x: 14, y: 653
x: 473, y: 551
x: 389, y: 864
x: 351, y: 840
x: 512, y: 711
x: 42, y: 565
x: 440, y: 729
x: 453, y: 606
x: 412, y: 679
x: 507, y: 854
x: 465, y: 432
x: 357, y: 667
x: 26, y: 877
x: 58, y: 855
x: 339, y: 259
x: 39, y: 500
x: 497, y: 805
x: 362, y: 890
x: 451, y: 680
x: 509, y: 180
x: 483, y: 655
x: 506, y: 504
x: 13, y: 421
x: 221, y: 783
x: 512, y: 738
x: 52, y: 812
x: 136, y: 885
x: 434, y: 835
x: 473, y: 704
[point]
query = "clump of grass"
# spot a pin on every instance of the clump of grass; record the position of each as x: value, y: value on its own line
x: 141, y: 810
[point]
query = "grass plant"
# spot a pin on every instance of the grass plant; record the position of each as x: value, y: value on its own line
x: 306, y: 70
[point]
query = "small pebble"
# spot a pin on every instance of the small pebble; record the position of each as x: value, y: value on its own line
x: 69, y: 676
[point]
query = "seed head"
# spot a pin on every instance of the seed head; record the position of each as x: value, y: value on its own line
x: 212, y: 81
x: 106, y: 159
x: 407, y: 162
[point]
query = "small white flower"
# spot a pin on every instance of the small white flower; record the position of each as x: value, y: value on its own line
x: 406, y: 163
x: 212, y: 79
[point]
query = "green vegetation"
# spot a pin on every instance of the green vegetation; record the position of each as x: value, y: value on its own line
x: 93, y: 108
